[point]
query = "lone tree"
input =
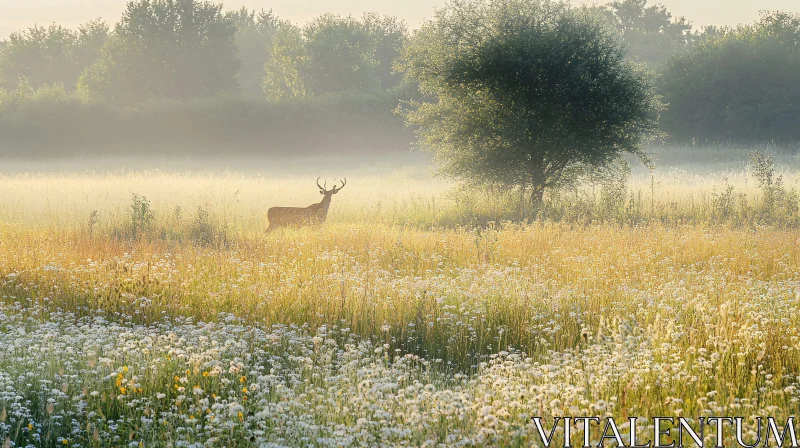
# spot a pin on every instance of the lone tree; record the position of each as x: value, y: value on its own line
x: 525, y: 94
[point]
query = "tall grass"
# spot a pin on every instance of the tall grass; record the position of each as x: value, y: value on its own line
x: 670, y: 195
x: 415, y: 316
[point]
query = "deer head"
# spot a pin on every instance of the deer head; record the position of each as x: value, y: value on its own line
x: 328, y: 193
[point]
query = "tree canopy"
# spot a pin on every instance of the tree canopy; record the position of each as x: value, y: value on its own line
x: 50, y: 55
x: 544, y: 77
x: 650, y: 33
x: 525, y: 93
x: 166, y: 49
x: 255, y: 32
x: 740, y: 84
x: 334, y: 54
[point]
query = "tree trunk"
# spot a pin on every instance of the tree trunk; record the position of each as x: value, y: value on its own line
x: 536, y: 196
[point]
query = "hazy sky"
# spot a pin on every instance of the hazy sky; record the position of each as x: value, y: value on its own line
x: 16, y: 14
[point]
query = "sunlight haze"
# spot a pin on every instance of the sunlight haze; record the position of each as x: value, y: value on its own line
x: 15, y: 14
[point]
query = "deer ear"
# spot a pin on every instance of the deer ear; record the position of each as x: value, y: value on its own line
x: 321, y: 192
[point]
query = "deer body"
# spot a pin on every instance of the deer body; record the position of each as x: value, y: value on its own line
x: 303, y: 216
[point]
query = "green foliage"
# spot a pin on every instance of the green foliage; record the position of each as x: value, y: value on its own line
x: 46, y: 56
x: 254, y: 40
x: 763, y: 169
x: 777, y: 202
x: 206, y: 229
x: 10, y: 100
x: 650, y: 33
x: 614, y: 190
x: 285, y: 75
x: 334, y: 54
x: 741, y: 85
x: 724, y: 203
x: 613, y: 200
x: 47, y: 120
x: 142, y: 216
x: 388, y: 35
x: 341, y: 55
x: 166, y: 49
x: 526, y: 94
x: 510, y: 85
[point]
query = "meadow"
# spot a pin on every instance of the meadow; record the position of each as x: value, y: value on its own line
x: 146, y: 307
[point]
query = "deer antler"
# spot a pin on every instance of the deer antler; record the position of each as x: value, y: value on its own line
x: 344, y: 182
x: 320, y: 186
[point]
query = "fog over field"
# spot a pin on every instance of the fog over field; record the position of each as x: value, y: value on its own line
x: 339, y: 224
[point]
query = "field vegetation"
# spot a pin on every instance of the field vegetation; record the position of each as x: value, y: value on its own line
x: 571, y: 264
x: 150, y: 308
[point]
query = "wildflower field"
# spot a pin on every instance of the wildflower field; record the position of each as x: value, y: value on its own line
x: 150, y: 308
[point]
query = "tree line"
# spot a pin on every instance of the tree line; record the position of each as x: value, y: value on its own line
x: 182, y: 67
x: 182, y: 49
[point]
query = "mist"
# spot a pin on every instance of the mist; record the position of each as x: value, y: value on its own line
x: 255, y: 82
x: 319, y: 226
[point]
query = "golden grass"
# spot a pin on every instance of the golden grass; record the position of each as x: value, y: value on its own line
x: 455, y: 288
x: 59, y: 200
x: 605, y: 319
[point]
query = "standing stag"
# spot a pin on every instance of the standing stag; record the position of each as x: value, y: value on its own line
x: 303, y: 216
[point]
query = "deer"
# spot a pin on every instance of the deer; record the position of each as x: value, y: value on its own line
x: 314, y: 214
